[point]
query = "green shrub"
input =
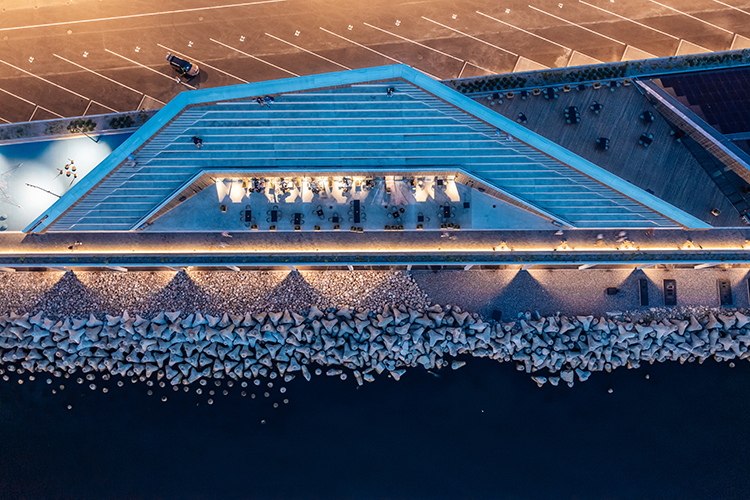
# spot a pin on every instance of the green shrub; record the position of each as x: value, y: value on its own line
x: 81, y: 125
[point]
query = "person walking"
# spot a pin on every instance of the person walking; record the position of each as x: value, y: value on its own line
x: 269, y: 100
x: 197, y: 141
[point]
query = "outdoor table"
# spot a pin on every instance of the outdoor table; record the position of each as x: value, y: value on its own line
x: 297, y: 219
x: 646, y: 140
x: 274, y: 215
x: 320, y: 213
x: 248, y: 216
x: 335, y: 219
x: 356, y: 211
x: 446, y: 211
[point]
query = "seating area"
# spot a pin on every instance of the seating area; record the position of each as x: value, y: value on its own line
x: 610, y: 136
x: 325, y: 204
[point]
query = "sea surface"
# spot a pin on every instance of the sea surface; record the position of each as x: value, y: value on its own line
x: 484, y: 431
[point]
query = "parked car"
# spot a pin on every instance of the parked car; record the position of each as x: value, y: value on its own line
x: 183, y: 66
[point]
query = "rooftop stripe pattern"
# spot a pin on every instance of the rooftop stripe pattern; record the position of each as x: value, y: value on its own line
x: 348, y: 127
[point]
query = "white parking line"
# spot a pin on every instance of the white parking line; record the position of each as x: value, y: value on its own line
x: 470, y: 36
x: 577, y: 25
x: 253, y: 57
x: 628, y: 19
x: 308, y: 51
x: 733, y: 7
x: 58, y: 86
x: 427, y: 47
x: 3, y: 119
x: 150, y: 69
x: 202, y: 63
x: 29, y: 102
x: 523, y: 30
x: 692, y: 17
x: 116, y: 18
x: 98, y: 74
x: 416, y: 43
x: 376, y: 52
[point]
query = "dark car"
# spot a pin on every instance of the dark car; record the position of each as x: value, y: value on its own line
x: 183, y: 66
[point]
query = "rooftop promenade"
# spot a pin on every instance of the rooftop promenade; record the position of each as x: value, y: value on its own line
x: 126, y: 250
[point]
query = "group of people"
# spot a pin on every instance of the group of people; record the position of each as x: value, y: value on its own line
x: 265, y: 101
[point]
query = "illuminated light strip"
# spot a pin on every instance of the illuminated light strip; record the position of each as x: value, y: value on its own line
x: 253, y: 57
x: 627, y: 19
x: 131, y: 16
x: 692, y: 17
x: 202, y: 63
x: 576, y: 25
x: 400, y: 249
x: 308, y: 51
x: 58, y: 86
x: 150, y: 69
x: 472, y: 37
x: 523, y: 30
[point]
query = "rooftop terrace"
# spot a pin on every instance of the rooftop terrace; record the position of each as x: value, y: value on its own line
x: 666, y: 167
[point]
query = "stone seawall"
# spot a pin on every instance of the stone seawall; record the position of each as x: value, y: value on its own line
x: 188, y: 348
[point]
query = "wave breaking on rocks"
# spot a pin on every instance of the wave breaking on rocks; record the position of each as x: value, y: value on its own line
x: 186, y: 349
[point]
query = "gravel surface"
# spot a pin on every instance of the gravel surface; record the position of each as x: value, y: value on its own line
x: 481, y: 291
x: 572, y: 291
x: 216, y: 292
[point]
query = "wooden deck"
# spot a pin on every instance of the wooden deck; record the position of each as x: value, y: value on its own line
x: 666, y: 167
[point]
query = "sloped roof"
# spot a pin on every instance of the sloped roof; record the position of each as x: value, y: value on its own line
x: 345, y: 121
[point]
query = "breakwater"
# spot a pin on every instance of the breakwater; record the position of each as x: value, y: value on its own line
x: 185, y: 349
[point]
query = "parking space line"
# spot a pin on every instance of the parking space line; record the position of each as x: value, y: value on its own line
x: 58, y: 86
x: 98, y: 74
x: 427, y: 47
x: 29, y: 102
x: 577, y: 25
x: 202, y: 63
x: 150, y: 69
x: 470, y: 36
x: 44, y: 80
x: 412, y: 41
x: 308, y: 51
x: 3, y: 119
x: 131, y: 16
x: 733, y: 7
x: 628, y: 19
x: 523, y: 30
x: 253, y: 57
x: 692, y: 17
x: 376, y: 52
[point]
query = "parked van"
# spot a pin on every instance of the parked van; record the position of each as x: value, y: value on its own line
x: 183, y: 66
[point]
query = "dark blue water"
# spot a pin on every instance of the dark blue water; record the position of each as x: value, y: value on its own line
x: 485, y: 431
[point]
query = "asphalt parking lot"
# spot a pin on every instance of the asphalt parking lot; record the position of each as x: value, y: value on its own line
x: 66, y: 58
